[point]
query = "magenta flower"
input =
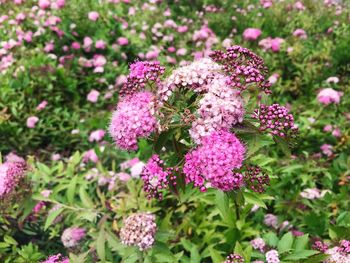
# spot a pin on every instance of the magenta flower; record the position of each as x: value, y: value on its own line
x: 328, y: 96
x: 97, y: 135
x: 71, y: 236
x: 32, y: 121
x: 300, y: 33
x: 251, y: 34
x: 44, y: 4
x: 214, y: 162
x: 93, y: 16
x: 90, y: 155
x: 56, y: 259
x: 100, y: 44
x: 327, y: 149
x: 93, y: 96
x: 133, y: 119
x: 42, y: 105
x: 122, y: 41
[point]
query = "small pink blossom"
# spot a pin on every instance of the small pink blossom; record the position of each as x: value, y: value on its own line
x: 93, y: 16
x: 93, y: 96
x: 44, y: 4
x: 42, y: 105
x: 124, y: 176
x: 90, y: 155
x: 97, y: 135
x: 251, y: 34
x: 31, y: 121
x: 327, y: 149
x: 328, y: 95
x: 300, y: 33
x: 100, y: 44
x: 122, y: 41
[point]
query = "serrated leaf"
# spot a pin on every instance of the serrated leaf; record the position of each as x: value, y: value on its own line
x: 286, y: 242
x: 100, y: 245
x: 52, y: 216
x: 71, y: 189
x: 9, y: 240
x: 301, y: 242
x: 254, y: 199
x: 85, y: 199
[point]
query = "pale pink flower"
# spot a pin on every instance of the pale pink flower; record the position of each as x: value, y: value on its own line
x: 328, y: 96
x: 42, y: 105
x: 97, y: 135
x: 122, y: 41
x: 300, y: 33
x: 251, y: 34
x: 93, y: 96
x: 90, y: 155
x: 31, y: 121
x: 100, y: 44
x: 44, y: 4
x: 93, y: 16
x: 124, y: 176
x: 327, y: 149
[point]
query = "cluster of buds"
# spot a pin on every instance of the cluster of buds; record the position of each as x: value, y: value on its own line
x: 234, y: 258
x: 72, y: 236
x: 139, y: 230
x: 320, y: 246
x: 141, y: 73
x: 344, y: 247
x: 276, y: 119
x: 256, y: 179
x: 244, y: 67
x: 156, y: 178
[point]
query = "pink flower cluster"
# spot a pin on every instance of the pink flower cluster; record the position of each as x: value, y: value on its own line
x: 71, y: 236
x: 141, y: 73
x: 214, y: 161
x: 234, y: 258
x: 133, y: 119
x: 258, y: 243
x: 344, y: 247
x: 251, y: 34
x: 271, y: 43
x: 272, y: 256
x: 328, y: 96
x: 11, y: 173
x: 219, y: 109
x: 156, y: 178
x: 194, y: 76
x: 56, y: 259
x: 276, y: 119
x: 256, y: 179
x: 139, y: 230
x: 320, y: 246
x: 336, y: 256
x: 244, y: 67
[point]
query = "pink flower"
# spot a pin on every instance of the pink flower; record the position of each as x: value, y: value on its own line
x: 90, y: 155
x: 299, y: 6
x: 124, y: 176
x: 49, y: 47
x: 100, y: 44
x: 75, y: 45
x: 97, y: 135
x: 214, y: 162
x: 44, y: 4
x: 42, y: 105
x: 300, y: 33
x: 60, y: 3
x: 93, y: 96
x: 251, y: 34
x: 93, y: 16
x: 31, y: 121
x: 327, y: 128
x: 136, y: 169
x: 182, y: 29
x: 328, y: 96
x: 327, y: 149
x: 336, y: 132
x: 132, y: 119
x: 56, y: 259
x: 87, y: 42
x: 122, y: 41
x: 71, y: 236
x: 55, y: 156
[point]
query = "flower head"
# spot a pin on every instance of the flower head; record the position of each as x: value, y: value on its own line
x: 328, y: 96
x: 234, y: 258
x: 272, y: 256
x: 133, y: 119
x: 256, y: 179
x: 251, y: 34
x: 214, y: 162
x: 139, y: 230
x: 56, y: 259
x: 71, y: 236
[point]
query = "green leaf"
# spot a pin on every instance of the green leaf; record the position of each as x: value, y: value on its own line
x: 286, y: 242
x: 215, y: 255
x: 52, y: 216
x: 283, y: 145
x: 301, y: 242
x: 254, y: 199
x: 85, y: 199
x: 195, y: 256
x: 71, y: 189
x: 10, y: 240
x: 100, y: 245
x: 271, y: 239
x: 303, y: 254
